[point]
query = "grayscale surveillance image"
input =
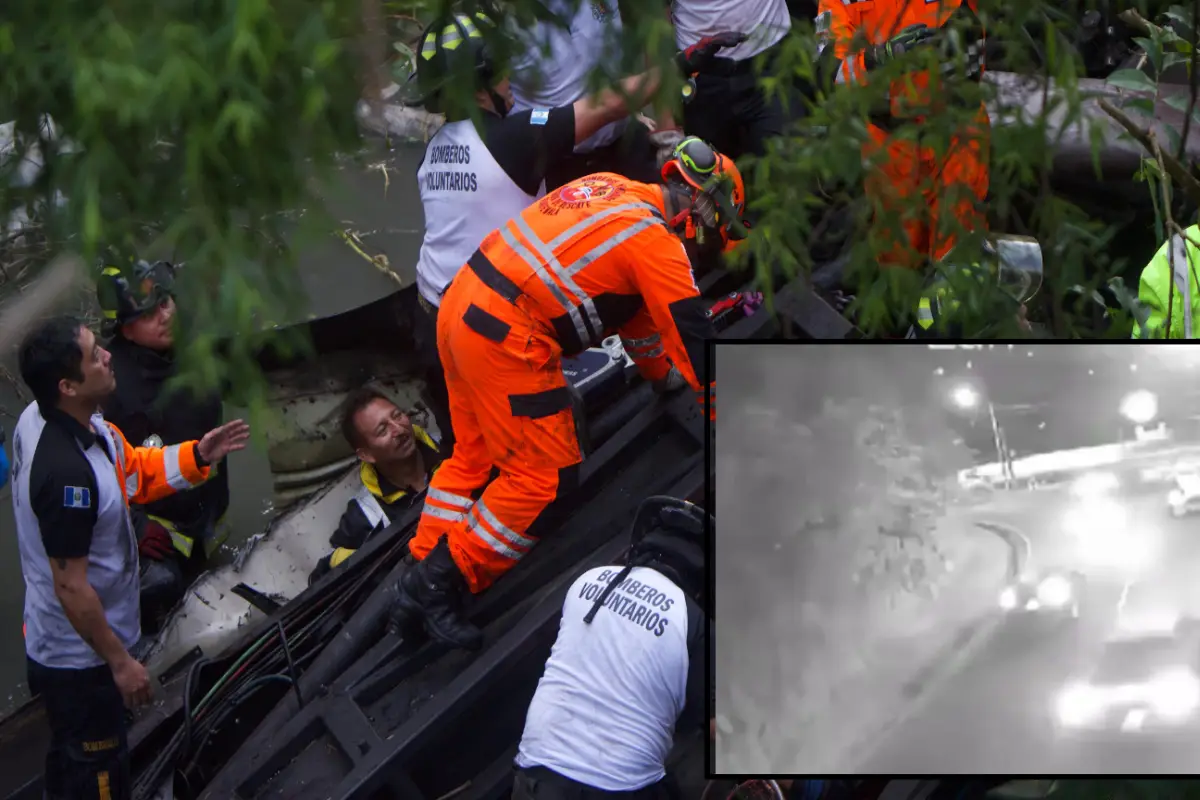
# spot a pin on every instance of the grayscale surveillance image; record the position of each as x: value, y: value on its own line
x: 940, y: 559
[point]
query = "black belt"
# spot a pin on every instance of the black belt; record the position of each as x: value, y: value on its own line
x: 729, y: 68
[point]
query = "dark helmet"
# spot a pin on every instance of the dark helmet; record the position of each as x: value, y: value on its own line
x: 125, y: 293
x: 456, y: 48
x: 712, y: 193
x: 667, y: 536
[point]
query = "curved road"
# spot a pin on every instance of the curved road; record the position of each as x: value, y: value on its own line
x: 993, y: 715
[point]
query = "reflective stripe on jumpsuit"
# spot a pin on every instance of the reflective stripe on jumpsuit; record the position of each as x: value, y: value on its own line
x: 509, y: 400
x: 951, y: 178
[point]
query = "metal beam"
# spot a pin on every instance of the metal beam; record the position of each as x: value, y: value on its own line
x: 458, y: 699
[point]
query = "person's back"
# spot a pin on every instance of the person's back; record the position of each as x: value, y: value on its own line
x: 604, y: 713
x: 626, y: 670
x: 598, y: 231
x: 466, y: 191
x: 558, y: 61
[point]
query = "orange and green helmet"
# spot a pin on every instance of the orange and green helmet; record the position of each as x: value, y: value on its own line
x: 709, y: 173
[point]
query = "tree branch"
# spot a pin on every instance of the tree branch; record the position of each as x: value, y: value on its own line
x: 1176, y: 169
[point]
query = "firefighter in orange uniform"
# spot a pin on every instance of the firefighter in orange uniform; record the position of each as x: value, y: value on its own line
x: 598, y: 255
x: 951, y: 181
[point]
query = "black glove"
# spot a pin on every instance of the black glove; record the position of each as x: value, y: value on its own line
x: 700, y: 55
x: 881, y: 55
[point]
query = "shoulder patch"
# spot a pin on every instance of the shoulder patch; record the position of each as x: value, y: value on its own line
x: 539, y: 116
x: 77, y: 497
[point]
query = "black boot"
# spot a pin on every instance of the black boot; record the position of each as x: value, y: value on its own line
x: 431, y: 592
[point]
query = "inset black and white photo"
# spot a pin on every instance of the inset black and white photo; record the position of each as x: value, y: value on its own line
x: 938, y: 559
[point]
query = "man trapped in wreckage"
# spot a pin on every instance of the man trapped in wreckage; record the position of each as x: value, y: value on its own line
x: 396, y: 460
x: 74, y: 476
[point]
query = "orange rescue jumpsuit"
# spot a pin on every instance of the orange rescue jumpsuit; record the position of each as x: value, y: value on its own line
x: 592, y: 257
x: 951, y: 181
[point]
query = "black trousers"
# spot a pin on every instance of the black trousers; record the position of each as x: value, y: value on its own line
x: 89, y: 752
x: 539, y: 783
x: 437, y: 395
x: 731, y: 112
x: 632, y: 156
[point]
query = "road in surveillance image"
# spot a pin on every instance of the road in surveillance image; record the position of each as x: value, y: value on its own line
x: 940, y: 559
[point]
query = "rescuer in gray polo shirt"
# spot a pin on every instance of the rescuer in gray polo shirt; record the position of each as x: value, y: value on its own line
x: 73, y: 477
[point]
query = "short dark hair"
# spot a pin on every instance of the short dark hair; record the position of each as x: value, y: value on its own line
x: 356, y: 402
x: 49, y: 354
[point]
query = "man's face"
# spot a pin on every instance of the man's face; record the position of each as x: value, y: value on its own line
x: 98, y: 378
x: 386, y: 432
x: 153, y: 329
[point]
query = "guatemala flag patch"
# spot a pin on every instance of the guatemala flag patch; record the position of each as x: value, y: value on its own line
x: 77, y: 497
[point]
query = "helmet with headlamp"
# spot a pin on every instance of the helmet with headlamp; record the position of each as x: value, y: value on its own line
x: 709, y: 192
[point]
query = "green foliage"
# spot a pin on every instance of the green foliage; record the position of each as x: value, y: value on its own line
x: 191, y: 128
x: 198, y: 131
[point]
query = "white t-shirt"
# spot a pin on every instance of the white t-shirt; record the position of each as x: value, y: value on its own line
x: 466, y: 195
x: 765, y: 21
x: 554, y: 69
x: 605, y: 710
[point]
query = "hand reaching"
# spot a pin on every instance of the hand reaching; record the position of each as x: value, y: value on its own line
x: 220, y: 442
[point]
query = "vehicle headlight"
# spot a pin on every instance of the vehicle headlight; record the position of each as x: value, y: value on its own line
x: 1175, y: 693
x: 1008, y: 599
x: 1054, y: 591
x: 1078, y: 704
x: 1175, y: 497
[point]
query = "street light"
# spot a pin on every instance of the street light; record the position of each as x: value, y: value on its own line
x: 1140, y: 407
x: 965, y: 397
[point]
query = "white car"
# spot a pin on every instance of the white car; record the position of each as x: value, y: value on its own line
x: 1139, y: 687
x: 1184, y: 498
